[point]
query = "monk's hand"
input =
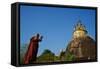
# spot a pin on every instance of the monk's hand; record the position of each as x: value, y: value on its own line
x: 41, y: 37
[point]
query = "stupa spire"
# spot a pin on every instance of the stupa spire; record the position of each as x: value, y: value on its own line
x: 79, y: 30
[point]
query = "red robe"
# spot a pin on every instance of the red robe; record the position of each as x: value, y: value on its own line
x: 31, y: 53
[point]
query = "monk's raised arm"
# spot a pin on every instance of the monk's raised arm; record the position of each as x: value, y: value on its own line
x: 41, y: 38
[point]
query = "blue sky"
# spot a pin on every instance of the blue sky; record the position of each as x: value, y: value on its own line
x: 54, y: 24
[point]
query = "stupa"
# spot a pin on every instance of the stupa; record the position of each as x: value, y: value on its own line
x: 82, y: 46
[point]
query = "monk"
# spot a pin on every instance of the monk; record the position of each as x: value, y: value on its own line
x: 31, y: 53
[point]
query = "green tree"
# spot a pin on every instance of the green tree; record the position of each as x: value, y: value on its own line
x: 46, y: 56
x: 69, y: 57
